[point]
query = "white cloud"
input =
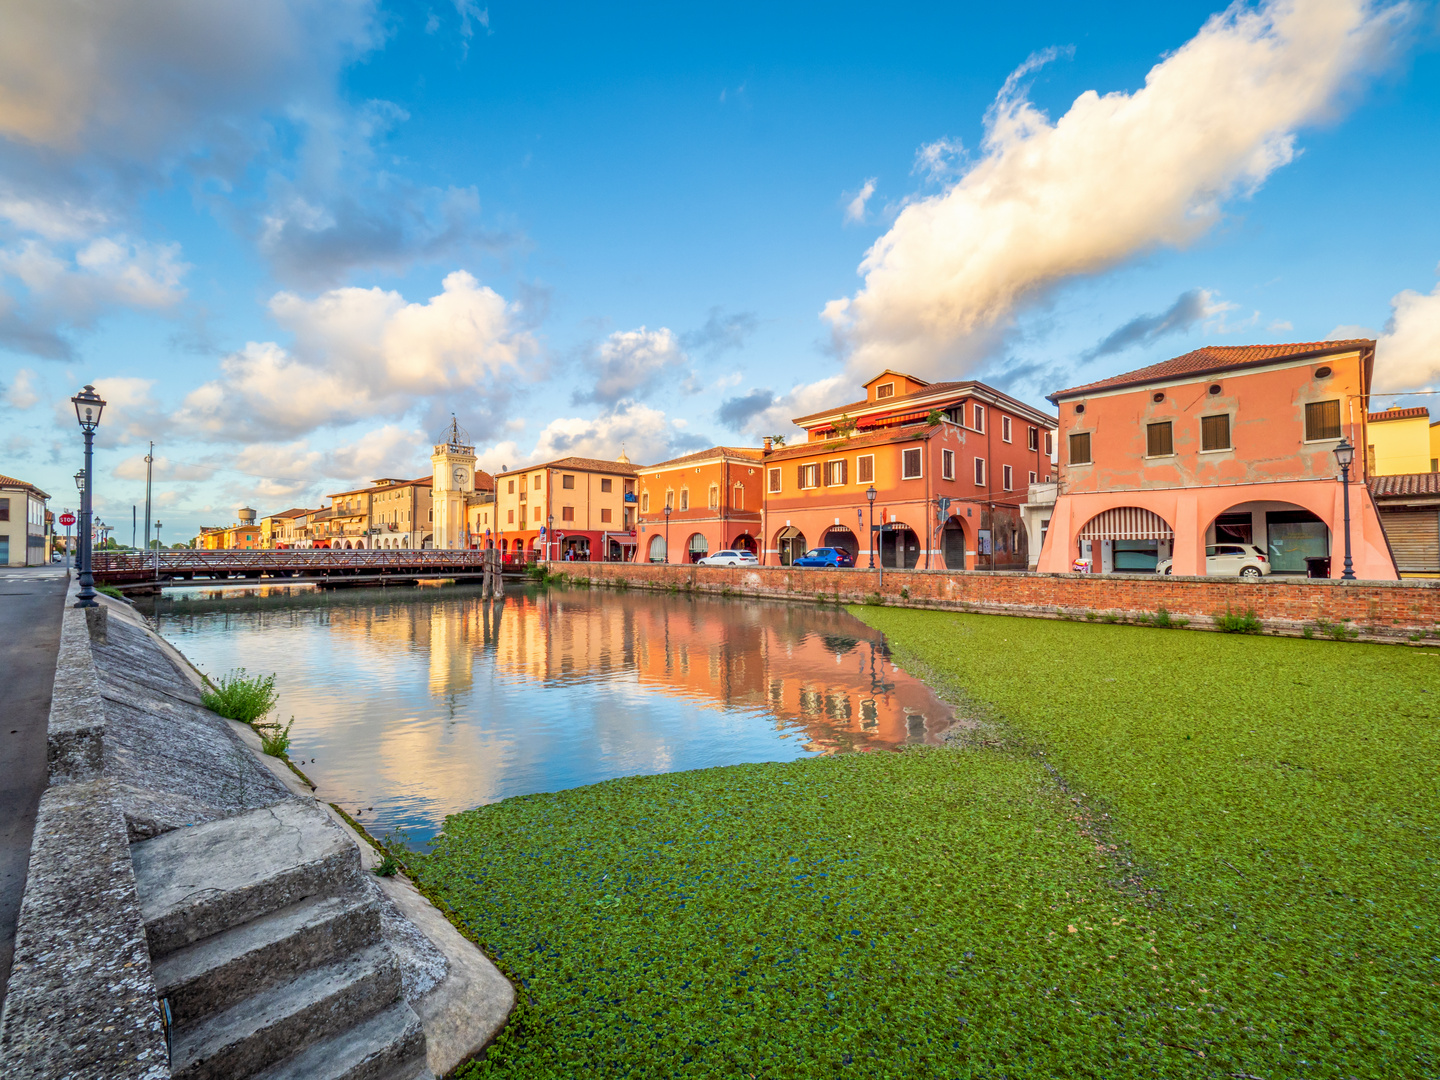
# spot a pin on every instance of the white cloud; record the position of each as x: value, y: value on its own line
x: 163, y: 469
x: 1113, y: 177
x: 941, y: 160
x: 642, y: 432
x: 20, y: 394
x: 1407, y: 354
x: 855, y: 208
x: 801, y: 400
x: 630, y: 362
x: 131, y: 412
x: 359, y: 353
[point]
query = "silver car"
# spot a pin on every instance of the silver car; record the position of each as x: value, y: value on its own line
x: 730, y: 558
x: 1229, y: 560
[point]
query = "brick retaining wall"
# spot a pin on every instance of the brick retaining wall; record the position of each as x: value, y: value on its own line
x: 1380, y: 610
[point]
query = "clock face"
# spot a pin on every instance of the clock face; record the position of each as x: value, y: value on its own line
x: 460, y: 476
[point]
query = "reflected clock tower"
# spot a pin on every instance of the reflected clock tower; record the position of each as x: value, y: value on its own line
x: 453, y: 477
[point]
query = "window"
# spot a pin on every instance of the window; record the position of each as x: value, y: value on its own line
x: 1032, y: 476
x: 536, y: 484
x: 1007, y: 478
x: 865, y: 469
x: 836, y: 473
x: 512, y: 487
x: 605, y: 486
x: 604, y: 517
x: 512, y: 517
x: 714, y: 496
x: 737, y: 501
x: 1004, y: 429
x: 1049, y: 443
x: 774, y: 481
x: 1159, y: 439
x: 645, y: 503
x: 567, y: 482
x: 1034, y: 438
x: 4, y: 509
x: 1080, y: 448
x: 910, y: 464
x: 669, y: 498
x: 1322, y: 420
x: 980, y: 471
x: 567, y: 513
x: 947, y: 464
x: 808, y: 476
x: 884, y: 390
x: 979, y: 413
x: 684, y: 498
x: 1215, y: 432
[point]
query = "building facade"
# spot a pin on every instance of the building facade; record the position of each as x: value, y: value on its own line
x: 1222, y: 444
x: 716, y: 499
x: 950, y: 464
x: 401, y: 513
x: 1409, y: 506
x: 1399, y: 443
x: 452, y: 468
x: 22, y: 523
x: 573, y: 507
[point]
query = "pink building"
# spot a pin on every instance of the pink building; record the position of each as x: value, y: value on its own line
x: 1224, y: 445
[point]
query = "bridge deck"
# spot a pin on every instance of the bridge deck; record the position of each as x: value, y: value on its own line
x: 164, y: 568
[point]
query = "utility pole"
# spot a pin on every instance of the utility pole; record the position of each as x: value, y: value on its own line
x: 149, y: 464
x: 132, y: 525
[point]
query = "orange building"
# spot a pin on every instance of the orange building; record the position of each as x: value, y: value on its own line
x: 578, y: 507
x: 715, y: 497
x: 1222, y: 444
x: 913, y: 443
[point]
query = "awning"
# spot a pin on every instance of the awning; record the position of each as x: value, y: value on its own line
x: 1127, y: 523
x: 624, y: 539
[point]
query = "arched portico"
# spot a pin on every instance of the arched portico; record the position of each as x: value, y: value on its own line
x: 790, y: 543
x: 656, y: 550
x: 952, y: 544
x: 1125, y: 540
x: 838, y: 536
x: 697, y: 547
x: 899, y: 547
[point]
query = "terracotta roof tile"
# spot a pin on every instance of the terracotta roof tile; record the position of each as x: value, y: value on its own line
x: 1398, y: 414
x: 1216, y: 358
x: 752, y: 453
x: 858, y: 442
x: 583, y: 464
x: 931, y: 390
x: 11, y: 482
x: 1425, y: 483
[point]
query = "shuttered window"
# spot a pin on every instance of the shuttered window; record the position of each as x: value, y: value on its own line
x: 1159, y: 439
x: 1215, y: 432
x: 865, y: 469
x: 980, y: 472
x: 808, y: 476
x: 910, y: 464
x: 1322, y: 420
x: 1414, y: 537
x: 835, y: 473
x: 947, y: 464
x: 1080, y: 448
x: 567, y: 513
x: 774, y: 481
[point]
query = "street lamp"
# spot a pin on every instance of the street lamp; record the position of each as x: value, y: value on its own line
x: 667, y: 534
x: 88, y: 407
x: 157, y: 551
x: 549, y: 533
x: 1344, y: 455
x: 870, y: 495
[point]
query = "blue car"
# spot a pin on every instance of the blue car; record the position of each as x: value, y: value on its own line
x: 831, y: 557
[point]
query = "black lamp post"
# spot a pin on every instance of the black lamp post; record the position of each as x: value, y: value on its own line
x: 667, y: 533
x: 549, y: 534
x: 1344, y: 455
x: 157, y: 551
x: 88, y: 406
x: 870, y: 494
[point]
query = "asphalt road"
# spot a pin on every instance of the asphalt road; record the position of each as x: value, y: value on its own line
x: 31, y: 602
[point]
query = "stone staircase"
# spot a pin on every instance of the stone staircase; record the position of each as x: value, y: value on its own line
x: 265, y: 940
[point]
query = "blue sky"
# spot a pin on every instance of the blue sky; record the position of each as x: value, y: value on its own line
x: 288, y: 238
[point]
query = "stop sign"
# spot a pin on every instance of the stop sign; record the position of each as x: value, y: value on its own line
x: 67, y: 519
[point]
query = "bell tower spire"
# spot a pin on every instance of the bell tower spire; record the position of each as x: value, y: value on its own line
x: 452, y: 483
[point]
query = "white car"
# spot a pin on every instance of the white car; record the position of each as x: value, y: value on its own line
x: 1229, y: 560
x: 730, y: 558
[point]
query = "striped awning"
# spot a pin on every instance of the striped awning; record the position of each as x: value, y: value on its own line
x: 1127, y: 523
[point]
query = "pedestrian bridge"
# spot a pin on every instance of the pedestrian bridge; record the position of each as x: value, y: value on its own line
x: 146, y: 570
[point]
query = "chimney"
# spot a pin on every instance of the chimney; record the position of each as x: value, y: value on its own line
x: 767, y: 444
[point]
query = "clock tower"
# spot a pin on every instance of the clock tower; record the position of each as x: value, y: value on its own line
x: 453, y: 472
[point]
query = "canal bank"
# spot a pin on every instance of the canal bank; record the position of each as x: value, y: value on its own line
x: 191, y: 911
x: 1397, y: 612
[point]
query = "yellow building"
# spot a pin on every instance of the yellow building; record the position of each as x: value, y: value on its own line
x: 1401, y: 442
x: 583, y: 506
x: 22, y: 523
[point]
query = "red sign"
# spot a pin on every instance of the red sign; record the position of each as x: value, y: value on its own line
x: 67, y: 519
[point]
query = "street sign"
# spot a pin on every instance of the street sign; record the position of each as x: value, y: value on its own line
x: 67, y: 519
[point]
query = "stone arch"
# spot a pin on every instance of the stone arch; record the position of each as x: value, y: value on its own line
x: 1125, y: 540
x: 790, y: 543
x: 655, y: 551
x: 952, y: 543
x: 1286, y: 532
x: 899, y: 547
x: 839, y: 536
x: 696, y: 547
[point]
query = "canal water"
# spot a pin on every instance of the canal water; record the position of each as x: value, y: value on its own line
x: 413, y: 704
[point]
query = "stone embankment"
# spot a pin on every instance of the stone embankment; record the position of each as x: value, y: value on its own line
x: 1388, y: 611
x: 192, y: 912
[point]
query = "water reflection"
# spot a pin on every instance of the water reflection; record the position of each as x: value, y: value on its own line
x: 424, y: 702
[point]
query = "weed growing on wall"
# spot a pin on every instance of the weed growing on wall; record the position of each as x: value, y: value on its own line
x: 240, y: 696
x: 1339, y: 631
x: 111, y: 591
x: 274, y: 739
x: 1233, y: 622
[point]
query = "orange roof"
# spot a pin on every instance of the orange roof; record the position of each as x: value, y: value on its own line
x: 581, y: 464
x: 750, y: 453
x: 1398, y: 414
x: 1425, y: 483
x: 1212, y: 359
x: 958, y: 388
x: 859, y: 442
x: 11, y: 482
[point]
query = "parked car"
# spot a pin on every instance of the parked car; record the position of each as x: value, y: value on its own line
x: 832, y: 557
x: 1229, y: 560
x: 730, y: 558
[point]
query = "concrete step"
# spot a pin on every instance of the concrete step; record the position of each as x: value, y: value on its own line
x: 388, y: 1046
x: 216, y: 972
x: 288, y: 1017
x: 195, y: 882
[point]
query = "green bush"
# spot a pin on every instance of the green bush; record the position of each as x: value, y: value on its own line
x: 274, y: 739
x: 239, y: 696
x: 110, y: 590
x: 1234, y: 622
x: 1339, y: 631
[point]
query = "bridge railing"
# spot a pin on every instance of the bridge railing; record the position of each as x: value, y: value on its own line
x: 316, y: 560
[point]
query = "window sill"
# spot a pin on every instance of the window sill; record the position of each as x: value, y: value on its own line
x: 1307, y: 442
x: 1218, y: 450
x: 1158, y: 457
